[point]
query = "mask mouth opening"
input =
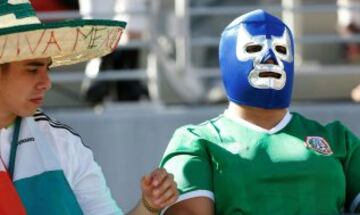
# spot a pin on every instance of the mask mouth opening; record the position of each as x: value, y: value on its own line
x: 267, y: 77
x: 269, y: 74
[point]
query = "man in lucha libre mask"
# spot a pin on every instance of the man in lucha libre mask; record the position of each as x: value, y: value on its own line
x: 258, y: 157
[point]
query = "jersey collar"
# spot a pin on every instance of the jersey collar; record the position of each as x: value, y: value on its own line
x: 284, y: 122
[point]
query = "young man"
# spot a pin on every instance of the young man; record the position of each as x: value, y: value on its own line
x: 45, y: 168
x: 257, y: 157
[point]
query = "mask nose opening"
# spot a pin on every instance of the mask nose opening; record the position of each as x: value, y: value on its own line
x: 269, y: 58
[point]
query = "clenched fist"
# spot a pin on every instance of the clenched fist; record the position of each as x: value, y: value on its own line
x: 158, y: 190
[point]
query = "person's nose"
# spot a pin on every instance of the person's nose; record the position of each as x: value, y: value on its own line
x: 44, y: 83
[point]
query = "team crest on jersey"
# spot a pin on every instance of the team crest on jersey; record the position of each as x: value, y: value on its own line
x: 318, y: 144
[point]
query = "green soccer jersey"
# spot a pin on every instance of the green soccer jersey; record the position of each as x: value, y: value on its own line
x: 301, y: 168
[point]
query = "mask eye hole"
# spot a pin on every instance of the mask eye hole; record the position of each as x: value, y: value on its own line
x: 253, y: 48
x: 281, y: 49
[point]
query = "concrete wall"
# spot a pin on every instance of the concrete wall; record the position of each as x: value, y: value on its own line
x: 128, y: 140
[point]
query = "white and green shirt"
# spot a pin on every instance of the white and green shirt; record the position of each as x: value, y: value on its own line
x: 54, y: 168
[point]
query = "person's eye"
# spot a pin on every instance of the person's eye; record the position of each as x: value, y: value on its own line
x: 281, y: 49
x: 253, y: 48
x: 32, y: 69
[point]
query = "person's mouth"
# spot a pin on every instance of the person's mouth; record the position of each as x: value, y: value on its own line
x: 37, y: 100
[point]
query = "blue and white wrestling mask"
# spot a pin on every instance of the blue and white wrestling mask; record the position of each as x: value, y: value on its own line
x: 256, y: 56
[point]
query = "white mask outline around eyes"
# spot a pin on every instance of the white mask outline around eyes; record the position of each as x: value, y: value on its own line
x: 244, y: 38
x: 285, y: 41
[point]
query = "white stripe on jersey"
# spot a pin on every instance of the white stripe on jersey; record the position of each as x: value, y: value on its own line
x: 192, y: 194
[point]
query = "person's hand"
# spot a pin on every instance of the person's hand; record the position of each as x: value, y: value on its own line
x: 158, y: 190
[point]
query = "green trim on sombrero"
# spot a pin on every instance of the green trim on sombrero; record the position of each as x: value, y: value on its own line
x: 20, y: 10
x: 67, y: 23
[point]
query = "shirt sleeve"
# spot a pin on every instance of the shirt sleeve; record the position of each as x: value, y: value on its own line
x: 187, y: 159
x: 88, y: 183
x: 352, y: 172
x: 350, y: 158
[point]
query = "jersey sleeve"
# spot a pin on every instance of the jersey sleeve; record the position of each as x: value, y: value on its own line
x: 187, y: 159
x: 351, y: 164
x: 87, y: 181
x: 352, y: 172
x: 83, y: 174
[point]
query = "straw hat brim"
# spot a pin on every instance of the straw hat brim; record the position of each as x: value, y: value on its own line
x: 66, y: 42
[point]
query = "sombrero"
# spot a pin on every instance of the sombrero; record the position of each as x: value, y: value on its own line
x: 23, y: 36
